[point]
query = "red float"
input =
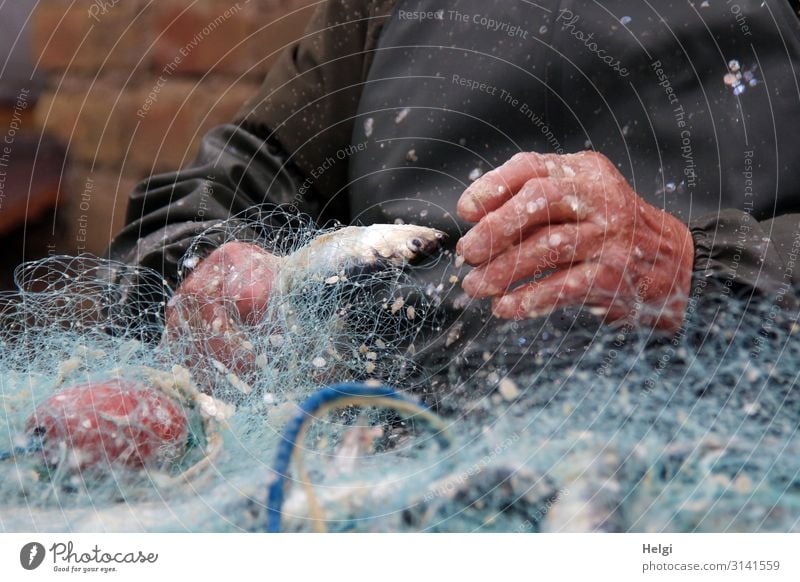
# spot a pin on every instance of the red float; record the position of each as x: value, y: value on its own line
x: 112, y: 422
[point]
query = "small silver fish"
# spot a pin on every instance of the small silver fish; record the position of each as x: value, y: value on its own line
x: 359, y: 248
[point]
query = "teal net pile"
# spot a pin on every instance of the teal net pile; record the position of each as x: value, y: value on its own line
x: 528, y: 426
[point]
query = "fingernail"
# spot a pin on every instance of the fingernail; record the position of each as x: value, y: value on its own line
x: 480, y: 190
x: 463, y: 248
x: 471, y: 201
x: 466, y: 205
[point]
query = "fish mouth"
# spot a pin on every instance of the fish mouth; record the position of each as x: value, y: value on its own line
x: 426, y: 245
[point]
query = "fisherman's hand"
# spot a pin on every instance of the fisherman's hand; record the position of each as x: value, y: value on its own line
x: 571, y: 231
x: 228, y: 288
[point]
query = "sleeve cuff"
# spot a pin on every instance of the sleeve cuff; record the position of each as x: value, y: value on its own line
x: 733, y: 251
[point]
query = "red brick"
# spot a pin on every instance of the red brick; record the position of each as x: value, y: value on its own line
x: 168, y: 125
x: 66, y: 36
x: 95, y: 123
x: 95, y: 210
x: 245, y: 36
x: 195, y: 37
x: 172, y: 124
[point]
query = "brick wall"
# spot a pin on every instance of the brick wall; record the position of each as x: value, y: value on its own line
x: 134, y: 84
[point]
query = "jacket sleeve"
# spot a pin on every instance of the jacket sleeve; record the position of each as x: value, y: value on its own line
x: 235, y: 171
x: 739, y: 256
x: 267, y: 154
x: 311, y: 96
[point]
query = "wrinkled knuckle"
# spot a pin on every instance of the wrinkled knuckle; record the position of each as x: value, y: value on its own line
x: 531, y: 159
x: 590, y: 155
x: 597, y: 231
x: 603, y: 162
x: 531, y: 187
x: 595, y: 162
x: 526, y: 156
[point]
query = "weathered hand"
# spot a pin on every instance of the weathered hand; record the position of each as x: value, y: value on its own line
x: 572, y: 232
x: 229, y: 287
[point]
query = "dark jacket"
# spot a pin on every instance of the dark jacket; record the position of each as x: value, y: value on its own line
x: 647, y: 89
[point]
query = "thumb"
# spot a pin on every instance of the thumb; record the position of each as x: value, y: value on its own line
x: 248, y: 274
x: 238, y: 274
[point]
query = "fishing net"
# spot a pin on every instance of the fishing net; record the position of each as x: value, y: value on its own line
x: 111, y: 423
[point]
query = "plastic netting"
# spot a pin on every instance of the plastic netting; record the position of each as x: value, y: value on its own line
x: 550, y: 428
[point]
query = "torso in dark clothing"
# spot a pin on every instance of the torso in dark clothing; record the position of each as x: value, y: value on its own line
x: 476, y: 81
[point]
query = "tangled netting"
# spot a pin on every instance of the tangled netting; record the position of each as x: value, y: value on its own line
x: 537, y: 427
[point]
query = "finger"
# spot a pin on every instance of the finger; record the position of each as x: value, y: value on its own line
x: 249, y: 273
x: 236, y: 271
x: 585, y: 284
x: 495, y: 188
x: 546, y: 249
x: 540, y: 202
x: 199, y: 329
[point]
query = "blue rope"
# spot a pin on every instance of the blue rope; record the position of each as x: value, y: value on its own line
x: 323, y: 397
